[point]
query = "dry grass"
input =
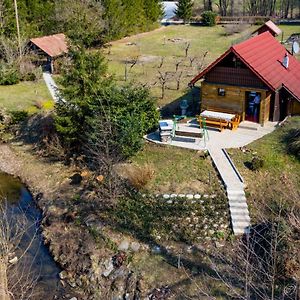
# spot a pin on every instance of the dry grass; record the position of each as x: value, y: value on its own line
x: 139, y: 176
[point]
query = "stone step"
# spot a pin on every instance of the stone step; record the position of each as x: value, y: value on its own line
x: 239, y: 231
x: 240, y: 205
x: 237, y: 199
x: 235, y: 193
x: 242, y: 218
x: 240, y: 223
x: 239, y: 211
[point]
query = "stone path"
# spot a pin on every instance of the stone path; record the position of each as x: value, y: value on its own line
x: 240, y: 219
x: 218, y: 141
x: 51, y: 85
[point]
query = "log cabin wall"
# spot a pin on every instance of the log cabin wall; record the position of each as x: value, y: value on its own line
x: 234, y: 76
x: 295, y: 108
x: 234, y: 99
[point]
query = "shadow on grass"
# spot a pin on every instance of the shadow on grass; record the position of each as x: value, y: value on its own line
x: 291, y: 140
x: 173, y: 108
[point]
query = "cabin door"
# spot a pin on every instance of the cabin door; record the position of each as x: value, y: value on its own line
x: 252, y: 106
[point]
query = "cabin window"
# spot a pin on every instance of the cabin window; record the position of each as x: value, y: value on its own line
x: 221, y: 92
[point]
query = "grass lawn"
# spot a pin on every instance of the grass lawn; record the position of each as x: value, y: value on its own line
x: 176, y: 170
x: 279, y: 178
x: 25, y: 96
x: 169, y: 43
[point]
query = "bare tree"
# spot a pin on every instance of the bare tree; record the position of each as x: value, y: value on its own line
x: 200, y: 64
x: 131, y: 62
x: 192, y: 59
x: 223, y: 6
x: 177, y: 64
x: 255, y: 266
x: 162, y: 59
x: 186, y: 49
x: 178, y: 80
x: 16, y: 278
x: 163, y: 79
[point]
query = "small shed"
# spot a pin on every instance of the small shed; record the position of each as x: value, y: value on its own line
x: 51, y: 47
x: 269, y: 26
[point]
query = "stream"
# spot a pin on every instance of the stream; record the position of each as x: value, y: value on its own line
x: 33, y: 267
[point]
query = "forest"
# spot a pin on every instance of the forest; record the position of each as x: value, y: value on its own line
x: 91, y: 22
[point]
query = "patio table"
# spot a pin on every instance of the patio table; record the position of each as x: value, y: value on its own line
x: 212, y: 118
x: 217, y: 115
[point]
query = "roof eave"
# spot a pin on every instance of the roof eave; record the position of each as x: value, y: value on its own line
x: 253, y: 70
x: 201, y: 74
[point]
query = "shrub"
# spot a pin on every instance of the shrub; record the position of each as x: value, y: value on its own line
x: 139, y: 176
x: 293, y: 142
x: 209, y: 18
x: 29, y: 77
x: 256, y: 163
x: 9, y: 75
x: 18, y: 116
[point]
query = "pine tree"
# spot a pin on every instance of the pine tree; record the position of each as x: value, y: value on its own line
x: 184, y: 9
x: 153, y: 10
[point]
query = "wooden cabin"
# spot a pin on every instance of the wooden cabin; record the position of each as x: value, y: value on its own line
x: 49, y: 48
x: 256, y: 79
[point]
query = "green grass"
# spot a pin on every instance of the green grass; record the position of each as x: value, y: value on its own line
x: 150, y: 47
x: 177, y: 170
x: 279, y: 178
x: 25, y: 96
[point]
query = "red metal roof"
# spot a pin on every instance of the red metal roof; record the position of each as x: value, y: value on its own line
x: 273, y: 27
x: 263, y: 54
x: 53, y: 45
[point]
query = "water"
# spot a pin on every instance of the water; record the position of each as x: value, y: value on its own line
x: 35, y: 267
x: 169, y: 9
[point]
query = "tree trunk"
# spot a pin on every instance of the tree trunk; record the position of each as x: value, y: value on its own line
x: 3, y: 282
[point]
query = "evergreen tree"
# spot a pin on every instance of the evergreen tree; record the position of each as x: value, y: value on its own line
x: 114, y: 17
x: 92, y: 99
x: 184, y: 9
x: 153, y: 10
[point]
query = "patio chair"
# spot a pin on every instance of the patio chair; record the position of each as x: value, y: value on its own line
x: 234, y: 124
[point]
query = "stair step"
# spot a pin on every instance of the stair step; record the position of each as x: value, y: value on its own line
x: 242, y: 218
x: 237, y: 198
x: 240, y: 205
x: 240, y: 224
x: 235, y: 193
x: 239, y: 211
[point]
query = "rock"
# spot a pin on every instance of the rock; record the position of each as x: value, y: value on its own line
x: 100, y: 178
x: 197, y: 196
x: 124, y: 245
x: 156, y: 250
x: 14, y: 260
x: 109, y: 267
x: 38, y: 197
x: 166, y: 196
x: 189, y: 196
x: 63, y: 275
x: 173, y: 196
x: 181, y: 195
x: 76, y: 179
x: 119, y: 259
x: 170, y: 201
x: 218, y: 244
x: 135, y: 246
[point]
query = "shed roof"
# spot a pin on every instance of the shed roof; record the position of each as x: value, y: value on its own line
x: 263, y: 54
x: 271, y: 26
x: 53, y: 45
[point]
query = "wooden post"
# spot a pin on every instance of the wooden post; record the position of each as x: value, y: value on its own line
x: 276, y: 114
x: 18, y: 27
